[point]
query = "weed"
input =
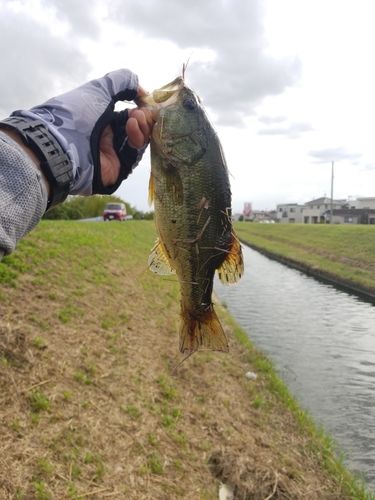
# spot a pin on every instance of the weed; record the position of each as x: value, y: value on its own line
x: 67, y: 395
x: 176, y: 413
x: 20, y: 494
x: 82, y: 378
x: 100, y: 470
x: 84, y: 350
x: 39, y: 343
x: 76, y: 470
x: 45, y: 467
x: 258, y: 402
x: 16, y: 425
x: 152, y: 439
x: 154, y: 463
x: 167, y: 391
x: 205, y: 446
x: 79, y: 377
x: 40, y: 490
x: 35, y: 417
x: 89, y: 458
x: 168, y: 421
x: 131, y: 410
x: 67, y: 313
x: 180, y: 438
x: 7, y: 275
x: 39, y: 401
x: 71, y: 490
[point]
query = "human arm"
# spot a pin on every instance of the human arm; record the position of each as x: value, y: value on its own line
x: 103, y: 147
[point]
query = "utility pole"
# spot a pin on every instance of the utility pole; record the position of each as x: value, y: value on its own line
x: 331, y: 214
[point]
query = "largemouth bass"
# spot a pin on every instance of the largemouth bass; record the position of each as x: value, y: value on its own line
x: 190, y: 189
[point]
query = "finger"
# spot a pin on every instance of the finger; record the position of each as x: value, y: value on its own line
x: 144, y: 120
x: 137, y: 114
x: 136, y: 137
x: 141, y: 92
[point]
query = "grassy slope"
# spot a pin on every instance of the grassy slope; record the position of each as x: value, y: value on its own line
x: 341, y: 250
x: 90, y: 405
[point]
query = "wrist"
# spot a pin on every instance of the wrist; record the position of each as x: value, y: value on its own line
x: 50, y: 157
x: 13, y: 134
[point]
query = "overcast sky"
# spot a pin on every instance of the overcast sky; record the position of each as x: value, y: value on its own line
x: 288, y: 84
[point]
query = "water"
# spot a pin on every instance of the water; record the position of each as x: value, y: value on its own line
x: 322, y: 341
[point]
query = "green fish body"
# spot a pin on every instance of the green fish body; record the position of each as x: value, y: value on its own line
x: 190, y: 188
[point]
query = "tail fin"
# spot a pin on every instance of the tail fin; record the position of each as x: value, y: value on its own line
x: 205, y: 331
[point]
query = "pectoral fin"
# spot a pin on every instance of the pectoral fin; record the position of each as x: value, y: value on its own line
x: 232, y: 269
x: 158, y: 261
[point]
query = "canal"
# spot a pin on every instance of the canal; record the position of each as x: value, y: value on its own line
x: 322, y: 342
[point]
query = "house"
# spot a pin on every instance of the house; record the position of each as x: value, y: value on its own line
x: 366, y: 203
x: 353, y: 216
x: 257, y: 216
x: 359, y: 211
x: 317, y: 211
x: 289, y: 213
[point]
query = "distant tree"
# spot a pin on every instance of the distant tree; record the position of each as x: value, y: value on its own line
x: 143, y: 215
x: 84, y: 207
x: 240, y: 218
x: 64, y: 212
x: 149, y: 216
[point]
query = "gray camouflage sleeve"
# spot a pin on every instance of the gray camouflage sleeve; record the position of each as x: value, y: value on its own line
x: 23, y: 195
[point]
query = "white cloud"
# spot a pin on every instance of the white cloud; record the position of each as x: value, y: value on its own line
x: 333, y: 154
x: 292, y: 131
x: 267, y: 72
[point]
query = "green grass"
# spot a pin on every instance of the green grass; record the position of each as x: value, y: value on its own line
x: 346, y: 251
x: 83, y: 254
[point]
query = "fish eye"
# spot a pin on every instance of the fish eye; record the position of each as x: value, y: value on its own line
x: 190, y: 104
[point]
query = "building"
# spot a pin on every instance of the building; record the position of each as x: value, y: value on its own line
x: 318, y: 211
x: 365, y: 203
x: 353, y: 216
x: 289, y: 213
x: 359, y: 211
x: 258, y: 216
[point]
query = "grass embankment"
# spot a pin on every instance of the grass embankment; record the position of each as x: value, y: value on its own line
x: 343, y: 253
x: 90, y: 406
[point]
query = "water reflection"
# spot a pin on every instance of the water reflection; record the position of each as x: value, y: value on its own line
x: 323, y: 344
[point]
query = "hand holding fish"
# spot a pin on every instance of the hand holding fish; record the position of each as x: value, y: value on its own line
x: 138, y: 129
x: 93, y: 134
x: 74, y: 143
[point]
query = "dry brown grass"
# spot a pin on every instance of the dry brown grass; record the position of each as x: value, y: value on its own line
x: 90, y: 406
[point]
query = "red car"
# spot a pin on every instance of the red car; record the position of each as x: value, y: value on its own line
x: 114, y: 211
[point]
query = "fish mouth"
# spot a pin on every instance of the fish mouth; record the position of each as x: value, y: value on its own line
x: 161, y: 98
